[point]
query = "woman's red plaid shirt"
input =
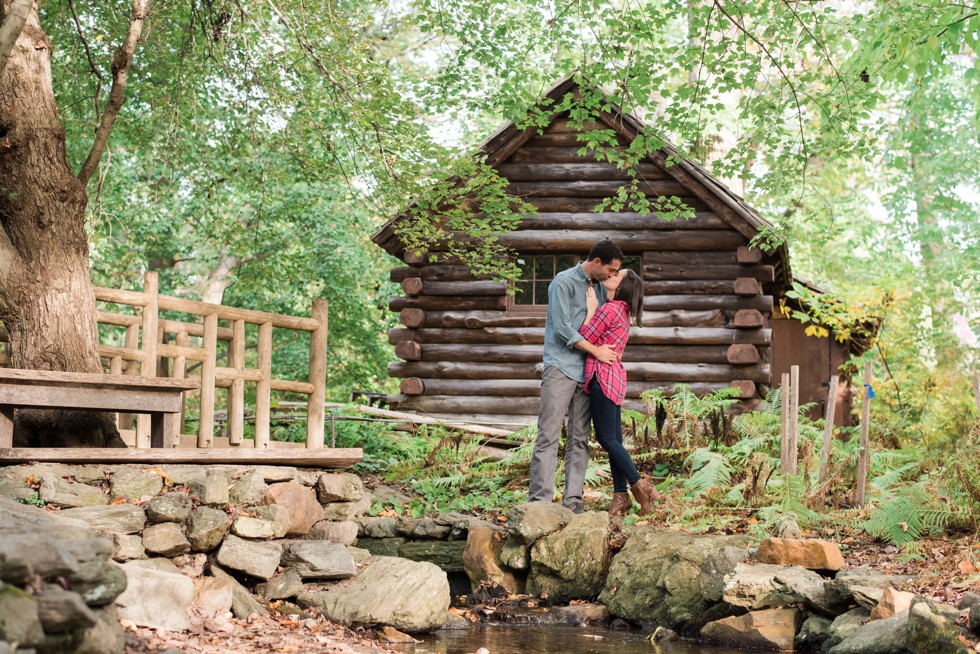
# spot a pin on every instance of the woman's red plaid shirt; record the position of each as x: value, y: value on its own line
x: 609, y: 326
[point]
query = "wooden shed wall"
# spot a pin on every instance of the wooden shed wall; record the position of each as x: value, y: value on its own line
x: 707, y: 308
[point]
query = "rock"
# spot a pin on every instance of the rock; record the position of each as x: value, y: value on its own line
x: 62, y: 611
x: 106, y: 636
x: 243, y: 605
x: 19, y: 621
x: 319, y: 560
x: 206, y: 528
x: 382, y: 546
x: 61, y: 492
x: 656, y: 577
x: 212, y: 490
x: 813, y: 632
x: 812, y: 554
x: 16, y: 489
x: 282, y: 586
x: 455, y: 622
x: 126, y: 547
x: 887, y: 636
x: 481, y: 560
x: 929, y: 631
x: 186, y: 475
x: 391, y: 635
x: 339, y: 487
x: 191, y: 565
x: 341, y: 511
x: 969, y: 599
x: 372, y: 527
x: 973, y: 619
x: 447, y: 554
x: 766, y: 629
x: 526, y: 523
x: 169, y: 507
x: 158, y: 563
x: 304, y: 509
x: 249, y: 489
x: 98, y: 581
x: 166, y: 539
x: 275, y: 514
x: 514, y: 555
x: 253, y: 558
x: 255, y: 528
x: 715, y: 567
x: 570, y: 563
x: 847, y: 584
x: 408, y: 595
x: 213, y: 596
x: 892, y: 601
x: 426, y: 529
x: 113, y: 519
x: 154, y: 598
x: 132, y: 483
x: 762, y: 585
x: 344, y: 532
x: 844, y: 625
x: 581, y: 615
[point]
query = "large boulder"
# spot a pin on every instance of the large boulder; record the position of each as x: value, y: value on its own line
x: 657, y: 578
x: 571, y: 563
x: 766, y: 629
x: 155, y: 598
x: 411, y: 596
x: 481, y: 560
x: 304, y: 509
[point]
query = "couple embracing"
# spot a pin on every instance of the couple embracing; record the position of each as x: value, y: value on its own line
x: 590, y: 308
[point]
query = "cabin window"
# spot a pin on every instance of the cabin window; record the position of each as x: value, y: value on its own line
x: 531, y: 290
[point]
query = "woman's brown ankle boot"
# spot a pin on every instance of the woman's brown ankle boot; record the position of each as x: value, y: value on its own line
x: 621, y: 503
x: 645, y: 493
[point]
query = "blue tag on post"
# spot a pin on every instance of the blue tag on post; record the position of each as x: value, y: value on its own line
x: 871, y: 391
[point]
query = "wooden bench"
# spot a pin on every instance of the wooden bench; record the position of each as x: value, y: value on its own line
x: 160, y: 397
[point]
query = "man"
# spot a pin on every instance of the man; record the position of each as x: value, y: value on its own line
x: 563, y: 379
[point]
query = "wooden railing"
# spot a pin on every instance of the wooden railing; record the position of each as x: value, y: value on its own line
x: 198, y: 341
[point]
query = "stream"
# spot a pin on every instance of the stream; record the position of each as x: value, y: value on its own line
x: 563, y: 639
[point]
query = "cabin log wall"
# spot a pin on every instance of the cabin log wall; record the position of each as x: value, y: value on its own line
x: 707, y: 304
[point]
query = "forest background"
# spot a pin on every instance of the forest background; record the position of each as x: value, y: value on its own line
x: 261, y: 144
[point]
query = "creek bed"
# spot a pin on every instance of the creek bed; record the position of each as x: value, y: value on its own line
x: 534, y: 639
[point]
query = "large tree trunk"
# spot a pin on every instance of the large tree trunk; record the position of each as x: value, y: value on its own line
x: 46, y: 298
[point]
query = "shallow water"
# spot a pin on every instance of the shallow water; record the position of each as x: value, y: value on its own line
x: 531, y: 639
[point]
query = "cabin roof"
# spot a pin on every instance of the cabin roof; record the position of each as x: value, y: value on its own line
x: 732, y: 208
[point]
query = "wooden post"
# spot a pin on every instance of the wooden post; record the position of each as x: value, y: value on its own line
x: 318, y: 377
x: 236, y: 394
x: 784, y: 424
x: 151, y: 322
x: 263, y: 389
x: 862, y: 472
x: 794, y: 418
x: 205, y: 435
x: 828, y: 427
x: 976, y: 391
x: 132, y: 342
x: 180, y: 372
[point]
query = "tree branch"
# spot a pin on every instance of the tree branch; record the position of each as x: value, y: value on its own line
x: 91, y: 60
x: 120, y: 73
x: 10, y: 29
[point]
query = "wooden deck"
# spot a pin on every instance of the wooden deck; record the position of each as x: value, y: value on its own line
x: 301, y: 457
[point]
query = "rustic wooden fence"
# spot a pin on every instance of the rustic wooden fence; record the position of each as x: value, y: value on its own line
x: 154, y: 346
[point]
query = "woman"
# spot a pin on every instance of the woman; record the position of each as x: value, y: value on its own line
x: 606, y: 384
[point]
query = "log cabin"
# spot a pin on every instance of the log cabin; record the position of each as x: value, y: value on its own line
x: 470, y: 351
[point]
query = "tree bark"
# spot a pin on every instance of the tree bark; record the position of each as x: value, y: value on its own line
x: 46, y: 297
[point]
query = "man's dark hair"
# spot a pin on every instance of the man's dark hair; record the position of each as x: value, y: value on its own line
x: 605, y: 251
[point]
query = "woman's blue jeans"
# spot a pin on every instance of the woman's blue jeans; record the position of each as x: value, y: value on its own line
x: 607, y: 421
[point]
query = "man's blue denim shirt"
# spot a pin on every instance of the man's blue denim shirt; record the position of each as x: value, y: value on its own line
x: 566, y: 313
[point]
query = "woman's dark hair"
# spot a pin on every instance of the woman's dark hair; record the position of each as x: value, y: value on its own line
x: 630, y: 291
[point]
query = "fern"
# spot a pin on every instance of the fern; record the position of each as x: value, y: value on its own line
x: 909, y: 515
x: 710, y: 470
x: 789, y: 492
x: 892, y: 477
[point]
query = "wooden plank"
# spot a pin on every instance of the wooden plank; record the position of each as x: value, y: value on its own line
x: 418, y: 286
x: 705, y: 302
x: 828, y: 429
x: 93, y: 380
x: 592, y: 189
x: 629, y: 241
x: 588, y: 205
x: 236, y: 394
x: 148, y: 344
x: 435, y: 273
x: 440, y: 302
x: 100, y: 399
x: 585, y: 171
x: 690, y: 373
x: 573, y: 154
x: 205, y: 434
x: 749, y: 256
x: 534, y: 336
x: 324, y: 458
x: 504, y: 388
x: 657, y: 271
x: 464, y: 370
x: 709, y: 258
x: 263, y: 390
x: 690, y: 287
x: 232, y: 313
x: 589, y: 220
x: 863, y: 452
x: 6, y: 427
